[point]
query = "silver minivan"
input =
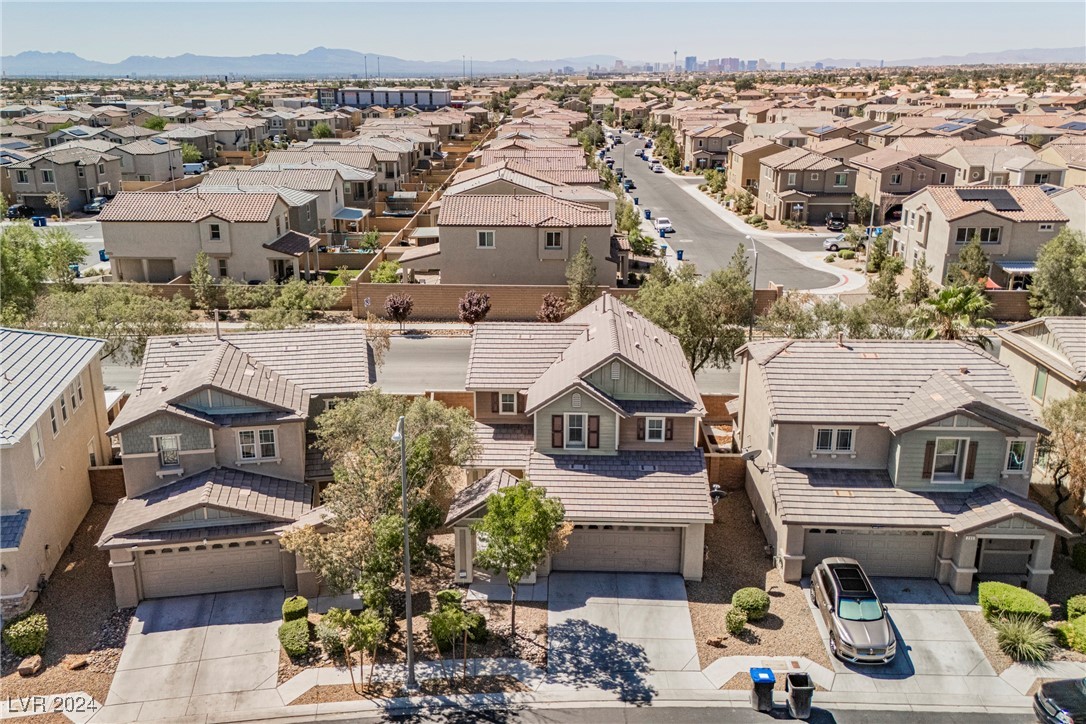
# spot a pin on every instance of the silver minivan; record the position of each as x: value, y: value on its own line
x: 860, y: 629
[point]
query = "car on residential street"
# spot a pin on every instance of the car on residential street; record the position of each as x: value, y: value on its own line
x: 662, y: 223
x: 1061, y: 702
x: 836, y: 221
x: 628, y: 184
x: 96, y: 205
x: 859, y: 626
x: 657, y: 167
x: 20, y: 211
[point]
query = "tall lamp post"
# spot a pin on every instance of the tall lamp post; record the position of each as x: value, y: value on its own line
x: 753, y: 289
x: 399, y: 437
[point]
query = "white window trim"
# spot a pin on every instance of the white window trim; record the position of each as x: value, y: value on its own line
x: 330, y: 403
x: 79, y: 388
x: 962, y: 461
x: 37, y: 445
x: 663, y: 429
x: 169, y: 470
x: 54, y: 421
x: 584, y: 431
x: 256, y: 443
x: 501, y: 403
x: 814, y: 176
x: 1025, y: 457
x: 1033, y: 388
x: 546, y: 243
x: 1045, y: 227
x: 834, y: 451
x: 843, y: 183
x: 478, y: 239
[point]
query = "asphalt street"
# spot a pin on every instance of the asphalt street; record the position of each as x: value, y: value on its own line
x: 87, y: 231
x: 706, y: 241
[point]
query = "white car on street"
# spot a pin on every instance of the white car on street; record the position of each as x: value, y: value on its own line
x: 656, y: 167
x: 662, y: 223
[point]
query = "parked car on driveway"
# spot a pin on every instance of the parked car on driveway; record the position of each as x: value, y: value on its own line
x: 662, y: 223
x: 96, y: 205
x: 1061, y: 702
x: 20, y: 211
x: 860, y: 630
x: 836, y: 221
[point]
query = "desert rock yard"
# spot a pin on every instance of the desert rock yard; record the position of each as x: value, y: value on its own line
x: 736, y: 558
x: 83, y: 624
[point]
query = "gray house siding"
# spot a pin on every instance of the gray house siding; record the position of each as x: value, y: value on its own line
x: 631, y: 384
x: 564, y: 405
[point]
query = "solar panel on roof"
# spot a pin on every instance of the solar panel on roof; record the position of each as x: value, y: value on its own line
x: 967, y: 120
x: 77, y: 132
x: 949, y: 127
x: 822, y: 129
x: 1074, y: 126
x: 880, y: 129
x: 1000, y: 199
x: 159, y: 141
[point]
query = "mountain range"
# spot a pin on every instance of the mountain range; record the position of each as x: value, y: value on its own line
x: 332, y: 62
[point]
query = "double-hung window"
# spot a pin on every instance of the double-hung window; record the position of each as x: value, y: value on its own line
x: 37, y: 446
x: 63, y: 408
x: 895, y: 179
x: 485, y: 239
x: 1016, y: 456
x: 53, y: 420
x: 215, y: 232
x: 840, y: 179
x: 553, y: 240
x: 791, y: 179
x: 1040, y: 384
x: 948, y: 462
x: 654, y: 429
x: 21, y: 177
x: 168, y: 448
x: 575, y: 430
x: 46, y: 176
x: 257, y: 444
x: 834, y: 440
x: 507, y: 404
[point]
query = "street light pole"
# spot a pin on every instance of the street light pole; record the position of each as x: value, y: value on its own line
x: 753, y: 289
x: 399, y: 437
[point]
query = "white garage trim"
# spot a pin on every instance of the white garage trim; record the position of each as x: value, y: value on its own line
x: 881, y: 551
x: 622, y: 548
x: 209, y: 567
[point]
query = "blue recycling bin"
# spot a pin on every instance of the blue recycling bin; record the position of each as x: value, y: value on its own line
x: 679, y: 254
x: 102, y: 255
x: 636, y: 201
x: 37, y: 220
x: 761, y: 696
x: 648, y: 214
x: 663, y: 234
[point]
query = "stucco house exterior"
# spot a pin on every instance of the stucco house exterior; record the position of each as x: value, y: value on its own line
x: 921, y: 470
x: 887, y: 176
x: 804, y: 186
x: 52, y: 429
x: 215, y: 445
x: 745, y: 163
x: 1047, y: 357
x: 79, y: 173
x: 602, y: 411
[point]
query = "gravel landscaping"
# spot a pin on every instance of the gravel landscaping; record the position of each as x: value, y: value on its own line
x: 986, y: 638
x: 430, y: 687
x: 736, y: 559
x: 1064, y: 583
x: 83, y: 622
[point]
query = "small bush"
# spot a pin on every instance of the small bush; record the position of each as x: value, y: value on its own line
x: 328, y: 635
x: 1024, y: 638
x: 294, y: 636
x: 387, y: 272
x: 754, y: 602
x: 1078, y: 557
x: 25, y: 636
x: 735, y: 621
x: 478, y: 632
x: 295, y: 607
x: 450, y: 597
x: 1076, y: 606
x: 830, y: 258
x: 1072, y: 634
x: 1001, y: 600
x: 847, y: 254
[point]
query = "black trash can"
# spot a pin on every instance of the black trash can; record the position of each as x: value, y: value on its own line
x: 761, y: 696
x: 800, y: 690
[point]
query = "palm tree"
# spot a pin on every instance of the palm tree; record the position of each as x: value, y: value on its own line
x: 955, y: 312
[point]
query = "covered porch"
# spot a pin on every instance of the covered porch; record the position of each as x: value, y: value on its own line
x: 299, y: 257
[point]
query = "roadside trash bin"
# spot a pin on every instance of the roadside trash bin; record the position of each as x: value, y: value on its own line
x: 102, y: 255
x: 37, y: 220
x: 648, y: 214
x: 800, y: 690
x: 679, y: 254
x: 636, y: 201
x: 663, y: 234
x: 761, y: 696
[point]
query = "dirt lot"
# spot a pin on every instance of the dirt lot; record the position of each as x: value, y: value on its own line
x: 736, y: 559
x: 78, y: 601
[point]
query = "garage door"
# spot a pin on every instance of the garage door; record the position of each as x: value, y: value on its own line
x: 622, y: 548
x: 233, y: 566
x: 908, y: 553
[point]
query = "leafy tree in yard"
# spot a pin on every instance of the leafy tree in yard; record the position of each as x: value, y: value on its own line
x: 387, y: 272
x: 744, y: 83
x: 805, y: 316
x: 955, y: 312
x: 581, y: 276
x: 371, y: 241
x: 398, y: 307
x: 298, y: 302
x: 155, y: 123
x: 744, y: 202
x: 920, y: 287
x: 552, y: 309
x: 708, y: 316
x: 1065, y: 463
x: 29, y: 258
x: 190, y: 154
x: 473, y: 307
x: 862, y: 206
x: 57, y: 200
x: 884, y: 286
x: 521, y: 526
x: 322, y: 130
x: 1059, y: 284
x: 203, y: 286
x: 124, y: 315
x: 361, y: 632
x: 973, y: 265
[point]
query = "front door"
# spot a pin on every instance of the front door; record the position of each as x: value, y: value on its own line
x: 282, y: 269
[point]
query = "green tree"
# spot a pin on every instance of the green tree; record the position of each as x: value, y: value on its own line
x: 203, y: 286
x: 155, y: 123
x: 124, y: 315
x: 581, y: 277
x: 521, y: 526
x: 29, y: 258
x: 920, y: 287
x: 707, y: 316
x: 322, y: 130
x: 296, y: 303
x: 190, y: 154
x: 370, y: 241
x: 58, y: 201
x: 1065, y: 465
x: 387, y: 272
x: 744, y: 83
x: 955, y: 312
x: 973, y: 265
x: 862, y: 206
x: 362, y: 632
x: 1059, y: 283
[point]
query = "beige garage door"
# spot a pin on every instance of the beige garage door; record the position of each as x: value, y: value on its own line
x: 189, y: 569
x: 909, y: 553
x: 622, y: 548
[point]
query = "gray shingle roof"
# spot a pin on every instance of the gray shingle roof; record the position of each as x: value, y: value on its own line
x: 12, y: 526
x: 475, y: 495
x: 503, y: 446
x: 942, y: 396
x: 35, y: 367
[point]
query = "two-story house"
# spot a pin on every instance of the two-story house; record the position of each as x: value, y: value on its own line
x: 744, y: 168
x: 216, y: 449
x: 999, y: 166
x: 80, y: 174
x: 52, y: 429
x: 707, y: 147
x: 1013, y: 222
x: 803, y: 186
x: 602, y: 411
x: 921, y: 469
x: 1047, y: 356
x: 152, y: 159
x: 155, y: 236
x: 887, y: 176
x: 324, y: 183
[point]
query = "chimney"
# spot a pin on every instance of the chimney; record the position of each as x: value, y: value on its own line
x: 840, y: 339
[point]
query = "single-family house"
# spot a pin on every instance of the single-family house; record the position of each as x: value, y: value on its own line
x: 744, y: 168
x: 887, y: 176
x: 800, y: 185
x: 1047, y: 357
x: 80, y: 174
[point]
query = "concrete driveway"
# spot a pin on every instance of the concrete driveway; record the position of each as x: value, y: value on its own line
x: 196, y: 654
x: 627, y: 632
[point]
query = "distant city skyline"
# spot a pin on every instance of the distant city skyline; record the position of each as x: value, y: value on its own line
x: 789, y: 32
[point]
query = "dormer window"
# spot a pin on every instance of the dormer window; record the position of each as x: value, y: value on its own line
x: 834, y: 440
x: 1016, y: 456
x: 948, y: 462
x: 507, y: 404
x: 168, y: 448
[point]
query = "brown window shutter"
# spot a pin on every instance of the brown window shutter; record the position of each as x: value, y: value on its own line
x: 669, y: 428
x: 929, y: 458
x: 494, y: 400
x: 556, y: 431
x: 640, y: 428
x: 522, y: 402
x: 593, y: 431
x: 971, y: 461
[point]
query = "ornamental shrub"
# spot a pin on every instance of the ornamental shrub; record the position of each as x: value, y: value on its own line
x: 450, y: 597
x: 25, y: 636
x: 1072, y: 634
x: 294, y: 636
x: 1078, y: 557
x: 1024, y: 637
x: 735, y: 621
x: 847, y: 254
x: 754, y: 602
x: 328, y: 635
x: 1076, y: 606
x: 295, y: 607
x: 1000, y: 600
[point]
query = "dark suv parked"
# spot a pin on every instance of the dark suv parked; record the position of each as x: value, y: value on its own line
x: 20, y: 211
x: 836, y: 221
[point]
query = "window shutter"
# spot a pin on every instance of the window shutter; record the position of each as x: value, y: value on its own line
x: 556, y: 431
x: 640, y: 428
x: 593, y: 431
x: 929, y: 458
x: 495, y: 399
x: 522, y: 402
x: 669, y: 428
x: 971, y: 461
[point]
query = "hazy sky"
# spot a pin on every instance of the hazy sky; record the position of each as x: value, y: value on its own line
x: 789, y: 31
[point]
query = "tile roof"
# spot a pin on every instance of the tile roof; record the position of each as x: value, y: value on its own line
x: 1065, y: 348
x: 503, y: 446
x: 12, y: 526
x: 348, y: 155
x: 843, y: 498
x: 1034, y: 202
x: 882, y: 158
x: 942, y: 395
x: 508, y: 210
x: 293, y: 243
x: 543, y: 160
x: 35, y: 367
x: 174, y: 206
x: 474, y: 497
x: 512, y: 355
x: 312, y: 179
x: 650, y: 487
x: 800, y: 159
x: 556, y: 174
x: 67, y: 153
x: 262, y: 496
x: 883, y: 375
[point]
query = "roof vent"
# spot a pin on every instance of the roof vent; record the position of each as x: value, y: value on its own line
x: 840, y: 339
x: 647, y: 468
x: 578, y: 466
x: 963, y: 370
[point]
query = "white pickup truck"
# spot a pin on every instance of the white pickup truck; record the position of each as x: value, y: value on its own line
x: 662, y: 223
